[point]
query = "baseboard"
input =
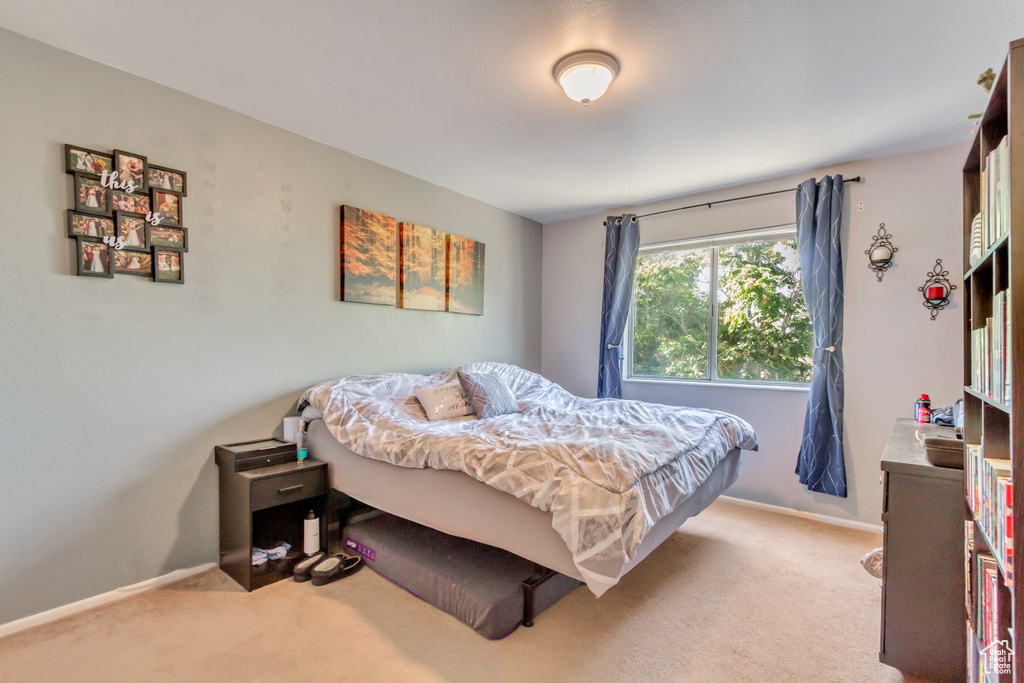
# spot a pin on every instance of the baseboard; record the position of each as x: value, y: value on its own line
x: 101, y: 599
x: 835, y: 521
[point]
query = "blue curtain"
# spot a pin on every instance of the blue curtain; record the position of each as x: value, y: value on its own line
x: 621, y: 246
x: 819, y: 209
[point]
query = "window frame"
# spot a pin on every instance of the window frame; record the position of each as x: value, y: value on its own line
x: 714, y: 242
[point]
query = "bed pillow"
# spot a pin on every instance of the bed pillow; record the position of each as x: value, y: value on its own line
x: 444, y: 402
x: 489, y: 394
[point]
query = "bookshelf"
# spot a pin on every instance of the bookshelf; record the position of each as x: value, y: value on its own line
x: 994, y: 376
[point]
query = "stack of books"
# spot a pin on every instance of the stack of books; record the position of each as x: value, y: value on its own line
x: 995, y: 194
x: 990, y: 352
x: 990, y: 639
x: 990, y: 636
x: 990, y: 495
x: 990, y: 620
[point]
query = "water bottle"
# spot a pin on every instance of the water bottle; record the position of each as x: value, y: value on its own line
x: 301, y: 439
x: 311, y: 534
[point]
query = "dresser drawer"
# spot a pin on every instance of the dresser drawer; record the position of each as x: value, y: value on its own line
x: 286, y: 488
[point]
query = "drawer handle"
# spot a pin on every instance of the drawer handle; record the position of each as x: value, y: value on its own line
x: 286, y: 489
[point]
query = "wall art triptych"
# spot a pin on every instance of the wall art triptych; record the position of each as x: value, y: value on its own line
x: 128, y: 215
x: 393, y: 263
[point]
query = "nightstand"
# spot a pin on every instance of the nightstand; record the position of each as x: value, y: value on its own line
x: 263, y: 506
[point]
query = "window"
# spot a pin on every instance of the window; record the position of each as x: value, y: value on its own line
x: 727, y: 308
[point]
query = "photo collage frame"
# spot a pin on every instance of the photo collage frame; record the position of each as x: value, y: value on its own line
x: 127, y: 215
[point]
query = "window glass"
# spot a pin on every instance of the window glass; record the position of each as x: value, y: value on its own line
x: 764, y: 331
x: 746, y: 296
x: 672, y: 322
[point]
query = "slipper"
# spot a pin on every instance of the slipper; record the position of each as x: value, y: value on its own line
x: 304, y: 567
x: 335, y: 567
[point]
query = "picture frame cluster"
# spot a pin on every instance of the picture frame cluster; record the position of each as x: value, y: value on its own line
x: 127, y: 215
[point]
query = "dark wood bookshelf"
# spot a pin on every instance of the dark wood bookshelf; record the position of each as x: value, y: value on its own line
x: 987, y: 400
x: 997, y: 425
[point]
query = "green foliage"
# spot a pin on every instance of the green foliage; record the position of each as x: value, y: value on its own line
x: 764, y: 331
x: 670, y: 337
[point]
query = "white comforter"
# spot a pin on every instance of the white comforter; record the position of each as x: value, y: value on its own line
x: 606, y: 469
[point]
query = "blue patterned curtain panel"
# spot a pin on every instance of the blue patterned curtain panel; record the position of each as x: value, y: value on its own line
x: 819, y: 208
x: 621, y: 246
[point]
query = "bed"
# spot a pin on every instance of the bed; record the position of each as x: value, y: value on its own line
x: 585, y: 487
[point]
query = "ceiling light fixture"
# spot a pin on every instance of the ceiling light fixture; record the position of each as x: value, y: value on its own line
x: 585, y: 76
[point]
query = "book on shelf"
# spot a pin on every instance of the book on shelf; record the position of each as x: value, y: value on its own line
x: 997, y: 345
x: 972, y: 655
x: 1008, y: 352
x: 989, y: 627
x: 990, y: 496
x: 995, y: 194
x: 991, y: 352
x: 968, y: 562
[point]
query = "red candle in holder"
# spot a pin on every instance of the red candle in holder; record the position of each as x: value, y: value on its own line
x: 936, y: 292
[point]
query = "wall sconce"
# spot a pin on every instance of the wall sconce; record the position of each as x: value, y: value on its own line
x: 880, y: 252
x: 936, y: 289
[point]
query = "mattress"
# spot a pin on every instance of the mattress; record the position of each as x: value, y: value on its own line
x: 605, y: 471
x: 478, y: 584
x: 455, y: 503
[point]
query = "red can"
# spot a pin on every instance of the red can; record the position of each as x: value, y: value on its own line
x: 923, y: 409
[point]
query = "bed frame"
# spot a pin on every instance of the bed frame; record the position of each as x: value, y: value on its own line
x: 475, y: 511
x: 540, y: 576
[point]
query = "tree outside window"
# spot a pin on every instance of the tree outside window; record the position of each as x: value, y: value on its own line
x: 744, y: 295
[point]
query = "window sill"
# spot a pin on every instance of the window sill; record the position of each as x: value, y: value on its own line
x: 756, y: 386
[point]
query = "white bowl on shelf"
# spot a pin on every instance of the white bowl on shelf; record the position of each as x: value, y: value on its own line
x: 976, y: 250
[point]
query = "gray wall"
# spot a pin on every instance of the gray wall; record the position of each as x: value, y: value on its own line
x: 114, y: 392
x: 893, y: 351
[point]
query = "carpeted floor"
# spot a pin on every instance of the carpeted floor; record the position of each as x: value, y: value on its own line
x: 736, y: 595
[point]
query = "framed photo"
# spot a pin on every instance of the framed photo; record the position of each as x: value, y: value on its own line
x: 369, y: 257
x: 133, y: 167
x: 86, y: 225
x: 94, y: 258
x: 167, y: 179
x: 168, y: 237
x: 86, y: 161
x: 130, y: 203
x: 133, y: 263
x: 168, y: 205
x: 168, y: 266
x: 465, y: 275
x: 421, y: 271
x: 91, y: 196
x: 133, y: 229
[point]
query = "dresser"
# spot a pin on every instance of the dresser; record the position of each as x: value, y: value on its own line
x: 923, y: 612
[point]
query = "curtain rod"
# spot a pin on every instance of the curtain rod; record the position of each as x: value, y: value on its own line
x: 855, y: 179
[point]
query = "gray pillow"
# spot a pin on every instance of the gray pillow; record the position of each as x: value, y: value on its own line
x: 489, y: 394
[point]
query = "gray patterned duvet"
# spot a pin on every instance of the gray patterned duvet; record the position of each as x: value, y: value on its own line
x: 607, y: 470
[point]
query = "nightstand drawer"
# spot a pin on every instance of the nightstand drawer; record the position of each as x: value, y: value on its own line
x: 286, y: 488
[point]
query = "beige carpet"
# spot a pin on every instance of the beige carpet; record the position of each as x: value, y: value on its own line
x: 736, y: 595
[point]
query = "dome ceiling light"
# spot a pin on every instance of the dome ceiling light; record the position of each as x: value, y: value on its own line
x: 585, y: 76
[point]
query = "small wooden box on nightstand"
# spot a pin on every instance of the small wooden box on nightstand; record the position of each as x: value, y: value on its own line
x: 263, y: 506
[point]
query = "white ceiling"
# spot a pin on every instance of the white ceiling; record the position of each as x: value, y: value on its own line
x: 460, y: 93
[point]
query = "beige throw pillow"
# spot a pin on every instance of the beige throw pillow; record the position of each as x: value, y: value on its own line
x: 444, y: 402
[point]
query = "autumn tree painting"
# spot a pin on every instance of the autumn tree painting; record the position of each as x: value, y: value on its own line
x: 369, y: 257
x: 465, y: 275
x: 422, y: 266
